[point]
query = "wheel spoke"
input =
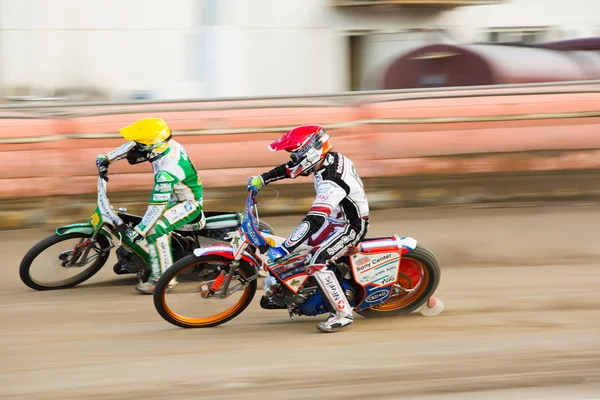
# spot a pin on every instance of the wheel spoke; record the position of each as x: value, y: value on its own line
x: 184, y: 305
x: 48, y: 264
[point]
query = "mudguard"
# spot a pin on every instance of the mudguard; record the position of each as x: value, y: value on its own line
x: 406, y: 244
x: 80, y: 228
x: 227, y: 252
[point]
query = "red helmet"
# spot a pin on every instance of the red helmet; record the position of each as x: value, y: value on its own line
x: 308, y: 144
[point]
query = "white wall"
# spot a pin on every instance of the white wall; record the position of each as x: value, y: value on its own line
x: 242, y: 48
x: 113, y: 44
x: 574, y: 18
x: 280, y: 47
x: 217, y: 48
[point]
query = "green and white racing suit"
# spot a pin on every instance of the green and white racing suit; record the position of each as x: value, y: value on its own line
x: 176, y: 200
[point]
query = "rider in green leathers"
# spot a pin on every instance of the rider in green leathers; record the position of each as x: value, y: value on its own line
x: 176, y: 198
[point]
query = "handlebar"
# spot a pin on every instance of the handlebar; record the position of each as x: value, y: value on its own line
x: 250, y: 223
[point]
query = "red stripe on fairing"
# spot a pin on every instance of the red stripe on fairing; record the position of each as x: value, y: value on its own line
x: 299, y: 274
x: 320, y: 209
x: 379, y: 250
x: 382, y: 245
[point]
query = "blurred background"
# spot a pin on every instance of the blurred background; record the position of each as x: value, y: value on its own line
x: 151, y: 49
x: 473, y: 124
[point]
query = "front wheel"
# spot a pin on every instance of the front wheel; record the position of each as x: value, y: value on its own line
x: 177, y: 296
x: 419, y: 272
x: 61, y: 259
x: 264, y: 227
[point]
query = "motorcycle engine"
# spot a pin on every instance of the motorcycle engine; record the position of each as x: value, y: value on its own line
x: 128, y: 261
x: 308, y: 301
x: 278, y: 296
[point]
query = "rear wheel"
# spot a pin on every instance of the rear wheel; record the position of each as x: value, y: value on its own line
x: 183, y: 305
x: 47, y: 265
x: 419, y: 272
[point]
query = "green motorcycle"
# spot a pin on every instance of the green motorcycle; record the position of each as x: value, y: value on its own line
x: 79, y: 251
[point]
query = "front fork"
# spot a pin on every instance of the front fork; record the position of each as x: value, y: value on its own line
x: 78, y: 256
x: 223, y: 282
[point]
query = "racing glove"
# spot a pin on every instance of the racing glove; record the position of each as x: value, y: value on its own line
x: 102, y: 165
x: 255, y: 183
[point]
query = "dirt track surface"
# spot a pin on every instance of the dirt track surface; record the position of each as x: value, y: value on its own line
x: 522, y: 320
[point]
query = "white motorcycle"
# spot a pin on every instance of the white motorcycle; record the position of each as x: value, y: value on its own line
x: 386, y: 276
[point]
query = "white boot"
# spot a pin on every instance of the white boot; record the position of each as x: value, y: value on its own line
x: 336, y: 297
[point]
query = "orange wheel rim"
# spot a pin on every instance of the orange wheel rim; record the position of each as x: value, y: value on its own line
x: 207, y: 320
x: 412, y: 275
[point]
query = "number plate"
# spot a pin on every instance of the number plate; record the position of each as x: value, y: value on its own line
x: 376, y: 269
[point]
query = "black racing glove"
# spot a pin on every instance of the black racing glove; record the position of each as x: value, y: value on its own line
x: 102, y: 165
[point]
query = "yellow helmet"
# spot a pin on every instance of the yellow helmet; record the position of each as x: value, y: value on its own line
x: 147, y: 132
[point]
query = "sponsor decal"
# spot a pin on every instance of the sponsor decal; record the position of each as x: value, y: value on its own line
x: 341, y: 305
x: 361, y: 261
x: 322, y: 198
x: 387, y: 279
x: 95, y: 219
x: 236, y: 241
x: 161, y: 197
x: 371, y: 276
x: 162, y: 187
x: 151, y: 214
x: 103, y: 207
x: 298, y: 233
x: 363, y: 267
x: 291, y: 272
x: 332, y: 288
x: 173, y: 215
x: 376, y: 296
x: 164, y: 251
x: 163, y: 177
x: 342, y: 243
x: 295, y: 283
x: 340, y: 165
x: 382, y: 258
x: 188, y: 207
x: 271, y: 242
x: 251, y: 233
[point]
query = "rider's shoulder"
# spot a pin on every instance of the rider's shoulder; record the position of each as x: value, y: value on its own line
x: 169, y: 166
x: 334, y: 165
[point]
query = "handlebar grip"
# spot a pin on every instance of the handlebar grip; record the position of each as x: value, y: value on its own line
x: 253, y: 194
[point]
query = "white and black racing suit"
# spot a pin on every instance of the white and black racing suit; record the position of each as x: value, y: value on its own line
x: 338, y: 218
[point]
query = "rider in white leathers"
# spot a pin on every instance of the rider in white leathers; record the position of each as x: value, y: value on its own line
x: 337, y: 219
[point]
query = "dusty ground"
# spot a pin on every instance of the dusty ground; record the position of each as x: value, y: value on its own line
x: 522, y: 320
